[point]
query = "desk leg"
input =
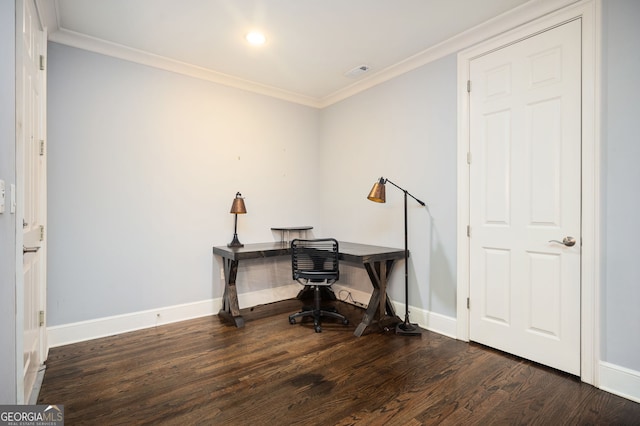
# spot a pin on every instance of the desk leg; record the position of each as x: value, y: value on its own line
x: 230, y: 307
x: 379, y: 304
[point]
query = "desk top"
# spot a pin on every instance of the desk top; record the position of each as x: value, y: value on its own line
x: 350, y: 252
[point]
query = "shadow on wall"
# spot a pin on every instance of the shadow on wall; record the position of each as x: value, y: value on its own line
x: 439, y: 294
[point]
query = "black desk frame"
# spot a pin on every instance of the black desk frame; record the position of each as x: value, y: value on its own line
x: 378, y: 262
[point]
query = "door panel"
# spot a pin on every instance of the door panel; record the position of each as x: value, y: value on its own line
x: 31, y: 186
x: 525, y: 120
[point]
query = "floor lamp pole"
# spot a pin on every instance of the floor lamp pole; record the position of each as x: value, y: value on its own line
x: 406, y: 328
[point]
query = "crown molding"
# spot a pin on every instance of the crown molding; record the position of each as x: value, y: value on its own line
x: 48, y: 14
x: 96, y: 45
x: 507, y: 21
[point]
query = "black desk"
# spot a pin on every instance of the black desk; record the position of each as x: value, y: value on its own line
x: 378, y: 261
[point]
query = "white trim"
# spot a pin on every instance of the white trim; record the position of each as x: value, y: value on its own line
x: 499, y: 24
x: 66, y: 334
x: 502, y: 23
x: 60, y: 335
x: 48, y: 14
x: 19, y: 214
x: 431, y: 321
x: 92, y: 44
x: 620, y: 381
x: 81, y: 331
x: 590, y: 301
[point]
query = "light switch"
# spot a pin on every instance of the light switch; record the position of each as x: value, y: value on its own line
x: 2, y: 196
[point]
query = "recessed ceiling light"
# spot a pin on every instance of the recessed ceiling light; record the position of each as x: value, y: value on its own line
x: 255, y: 38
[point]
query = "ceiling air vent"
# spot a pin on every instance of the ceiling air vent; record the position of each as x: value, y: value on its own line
x: 357, y: 71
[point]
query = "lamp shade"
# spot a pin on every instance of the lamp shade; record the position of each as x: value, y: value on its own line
x: 238, y: 207
x: 377, y: 193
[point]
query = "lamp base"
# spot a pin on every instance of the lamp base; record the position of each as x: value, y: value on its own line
x: 408, y: 329
x: 235, y: 242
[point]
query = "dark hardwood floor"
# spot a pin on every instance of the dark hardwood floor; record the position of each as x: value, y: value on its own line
x: 207, y: 372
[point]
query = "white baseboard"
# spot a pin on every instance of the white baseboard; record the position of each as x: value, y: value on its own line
x: 437, y: 323
x: 65, y: 334
x: 431, y: 321
x: 619, y: 381
x: 108, y: 326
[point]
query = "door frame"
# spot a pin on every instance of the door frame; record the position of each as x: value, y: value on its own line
x: 589, y: 12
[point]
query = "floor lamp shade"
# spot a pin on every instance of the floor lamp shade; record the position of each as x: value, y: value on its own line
x: 237, y: 207
x: 377, y: 193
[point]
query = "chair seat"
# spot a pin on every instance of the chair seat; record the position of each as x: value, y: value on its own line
x: 316, y: 277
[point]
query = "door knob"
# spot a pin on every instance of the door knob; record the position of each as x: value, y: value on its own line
x: 567, y: 241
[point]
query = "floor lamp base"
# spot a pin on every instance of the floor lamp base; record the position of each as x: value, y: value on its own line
x: 407, y: 329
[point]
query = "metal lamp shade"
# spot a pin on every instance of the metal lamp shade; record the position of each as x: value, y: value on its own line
x: 238, y: 207
x: 377, y: 193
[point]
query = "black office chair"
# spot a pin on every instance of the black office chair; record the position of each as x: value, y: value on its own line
x: 315, y: 264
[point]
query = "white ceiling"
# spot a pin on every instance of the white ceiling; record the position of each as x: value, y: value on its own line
x: 310, y: 46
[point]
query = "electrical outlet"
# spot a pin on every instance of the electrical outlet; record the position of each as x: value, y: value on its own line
x: 222, y: 274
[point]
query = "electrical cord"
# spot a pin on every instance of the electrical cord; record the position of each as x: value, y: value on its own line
x: 349, y: 299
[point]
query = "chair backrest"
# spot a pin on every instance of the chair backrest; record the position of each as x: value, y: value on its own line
x: 315, y: 260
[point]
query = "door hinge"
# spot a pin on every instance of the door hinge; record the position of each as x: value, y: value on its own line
x: 468, y: 303
x: 468, y: 86
x: 41, y: 318
x: 41, y: 147
x: 468, y: 158
x: 41, y: 62
x: 469, y: 231
x: 41, y: 232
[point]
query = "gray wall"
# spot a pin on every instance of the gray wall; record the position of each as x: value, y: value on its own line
x: 621, y: 189
x: 143, y: 166
x: 7, y: 220
x: 404, y: 130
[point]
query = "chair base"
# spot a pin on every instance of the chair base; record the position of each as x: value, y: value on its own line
x: 317, y: 312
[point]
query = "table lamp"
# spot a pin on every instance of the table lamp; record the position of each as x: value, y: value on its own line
x: 237, y: 207
x: 378, y: 195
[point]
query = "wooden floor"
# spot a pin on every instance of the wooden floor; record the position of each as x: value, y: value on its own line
x: 207, y: 372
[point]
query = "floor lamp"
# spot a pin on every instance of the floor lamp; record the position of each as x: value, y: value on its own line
x: 378, y: 195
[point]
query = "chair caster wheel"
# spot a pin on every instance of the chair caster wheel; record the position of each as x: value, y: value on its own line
x: 318, y: 329
x: 292, y: 320
x: 345, y: 322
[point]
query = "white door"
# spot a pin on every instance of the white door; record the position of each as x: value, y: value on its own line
x: 525, y: 190
x: 31, y: 186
